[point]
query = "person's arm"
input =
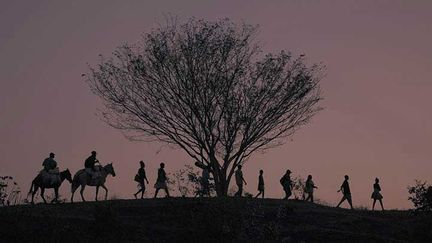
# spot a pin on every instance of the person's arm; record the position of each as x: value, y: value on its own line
x: 145, y: 177
x: 165, y: 176
x: 243, y: 179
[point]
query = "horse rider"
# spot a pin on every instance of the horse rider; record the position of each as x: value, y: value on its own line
x: 89, y: 165
x: 48, y: 165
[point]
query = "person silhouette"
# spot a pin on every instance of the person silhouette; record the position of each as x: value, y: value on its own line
x: 376, y: 194
x: 205, y: 181
x: 260, y: 184
x: 140, y: 178
x: 286, y: 184
x: 239, y: 181
x: 49, y: 163
x: 89, y: 165
x: 161, y: 181
x: 309, y: 188
x: 346, y: 192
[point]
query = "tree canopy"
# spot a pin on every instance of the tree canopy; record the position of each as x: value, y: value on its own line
x: 207, y: 87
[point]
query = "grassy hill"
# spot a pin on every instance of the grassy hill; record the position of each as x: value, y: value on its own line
x: 208, y: 220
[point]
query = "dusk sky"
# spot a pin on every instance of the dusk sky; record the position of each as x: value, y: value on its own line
x: 376, y: 120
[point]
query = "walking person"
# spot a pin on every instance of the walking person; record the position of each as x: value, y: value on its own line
x: 161, y: 182
x: 205, y: 182
x: 260, y: 184
x: 376, y: 194
x: 346, y: 192
x: 239, y: 181
x: 309, y: 188
x: 141, y: 177
x: 286, y: 184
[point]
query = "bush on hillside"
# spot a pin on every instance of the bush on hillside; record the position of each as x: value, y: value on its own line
x: 10, y: 193
x: 421, y: 195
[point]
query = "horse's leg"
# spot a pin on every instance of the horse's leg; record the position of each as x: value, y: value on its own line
x: 106, y: 191
x: 56, y: 195
x: 97, y: 191
x: 74, y: 187
x: 42, y: 194
x: 73, y: 191
x: 33, y: 193
x: 81, y: 192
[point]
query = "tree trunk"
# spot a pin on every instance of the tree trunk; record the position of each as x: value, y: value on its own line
x: 223, y: 188
x: 219, y: 175
x: 221, y: 182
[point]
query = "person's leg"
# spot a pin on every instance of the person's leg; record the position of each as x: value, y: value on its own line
x: 156, y: 192
x: 135, y: 194
x: 373, y: 204
x: 311, y: 197
x: 142, y: 192
x: 350, y: 201
x: 167, y: 192
x: 382, y: 206
x: 239, y: 191
x: 262, y: 194
x: 289, y: 193
x: 341, y: 201
x: 257, y: 195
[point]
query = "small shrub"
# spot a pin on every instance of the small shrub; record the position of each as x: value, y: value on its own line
x: 421, y: 195
x: 188, y: 182
x: 298, y: 185
x: 10, y: 193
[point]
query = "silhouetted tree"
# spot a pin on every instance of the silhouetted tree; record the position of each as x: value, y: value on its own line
x: 205, y: 87
x: 421, y: 195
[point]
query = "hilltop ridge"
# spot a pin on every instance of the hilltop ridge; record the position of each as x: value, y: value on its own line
x: 208, y: 220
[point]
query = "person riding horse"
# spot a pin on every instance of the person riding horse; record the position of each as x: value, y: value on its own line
x: 49, y: 165
x: 89, y: 165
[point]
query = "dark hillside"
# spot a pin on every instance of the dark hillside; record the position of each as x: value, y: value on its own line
x: 208, y: 220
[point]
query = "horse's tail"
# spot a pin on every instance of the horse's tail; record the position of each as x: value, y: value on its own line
x: 31, y: 187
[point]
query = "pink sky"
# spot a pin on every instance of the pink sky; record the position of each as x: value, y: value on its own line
x: 376, y: 121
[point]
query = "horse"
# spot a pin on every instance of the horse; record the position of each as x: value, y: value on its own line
x: 82, y: 178
x: 38, y: 182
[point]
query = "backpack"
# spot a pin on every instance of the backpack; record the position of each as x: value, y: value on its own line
x: 137, y: 178
x: 282, y: 181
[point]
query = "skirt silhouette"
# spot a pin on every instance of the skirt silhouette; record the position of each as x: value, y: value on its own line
x: 161, y: 185
x: 376, y: 195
